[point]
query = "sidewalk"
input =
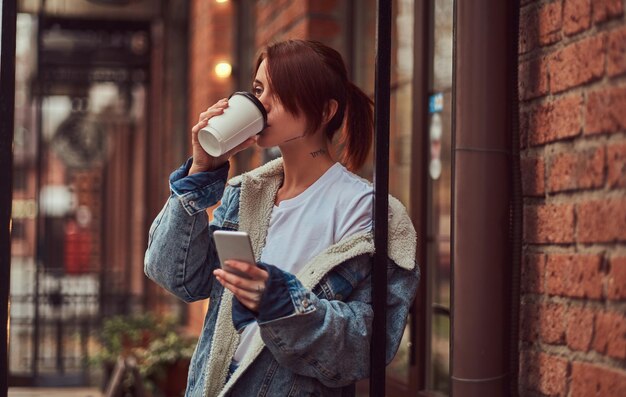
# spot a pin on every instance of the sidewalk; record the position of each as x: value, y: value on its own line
x: 54, y: 392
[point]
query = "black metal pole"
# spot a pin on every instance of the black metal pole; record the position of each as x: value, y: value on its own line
x: 381, y: 198
x: 7, y: 102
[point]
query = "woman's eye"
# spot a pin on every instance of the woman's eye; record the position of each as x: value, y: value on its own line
x: 257, y: 91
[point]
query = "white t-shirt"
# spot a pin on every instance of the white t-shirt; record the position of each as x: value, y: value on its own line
x: 337, y: 205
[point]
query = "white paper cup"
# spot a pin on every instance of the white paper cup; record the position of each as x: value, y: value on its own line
x: 244, y: 117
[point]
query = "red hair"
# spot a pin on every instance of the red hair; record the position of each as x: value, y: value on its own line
x: 305, y: 76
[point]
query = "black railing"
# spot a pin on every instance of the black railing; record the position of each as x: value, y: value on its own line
x: 381, y: 198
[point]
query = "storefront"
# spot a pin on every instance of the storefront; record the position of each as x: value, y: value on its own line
x: 91, y: 83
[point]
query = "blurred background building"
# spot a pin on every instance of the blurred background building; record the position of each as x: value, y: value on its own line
x: 108, y: 90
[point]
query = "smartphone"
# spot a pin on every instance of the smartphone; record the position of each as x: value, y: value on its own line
x: 233, y: 245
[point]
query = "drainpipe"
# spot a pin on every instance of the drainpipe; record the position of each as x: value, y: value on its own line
x: 482, y: 275
x: 7, y: 112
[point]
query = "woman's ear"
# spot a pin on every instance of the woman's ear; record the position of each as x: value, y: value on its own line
x: 329, y: 111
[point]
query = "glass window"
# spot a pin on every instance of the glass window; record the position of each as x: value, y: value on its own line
x: 80, y: 121
x: 400, y: 129
x: 440, y: 186
x: 438, y: 137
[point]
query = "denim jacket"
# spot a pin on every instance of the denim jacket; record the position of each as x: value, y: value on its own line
x: 320, y: 345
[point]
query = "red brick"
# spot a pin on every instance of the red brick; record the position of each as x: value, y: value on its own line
x: 533, y: 273
x: 268, y: 12
x: 590, y: 380
x: 323, y: 29
x: 284, y: 15
x: 576, y: 16
x: 605, y: 110
x: 579, y: 328
x: 576, y: 276
x: 533, y: 78
x: 300, y: 30
x: 550, y: 22
x: 555, y: 120
x: 529, y: 321
x: 544, y: 373
x: 616, y: 163
x: 601, y: 220
x: 528, y: 30
x: 524, y: 120
x: 552, y: 323
x: 540, y: 25
x: 607, y: 9
x: 616, y: 52
x: 550, y: 223
x: 578, y: 170
x: 610, y: 335
x: 543, y: 321
x: 533, y: 174
x: 616, y: 279
x: 578, y: 63
x: 322, y: 6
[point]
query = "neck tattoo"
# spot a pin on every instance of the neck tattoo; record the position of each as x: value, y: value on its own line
x: 318, y: 153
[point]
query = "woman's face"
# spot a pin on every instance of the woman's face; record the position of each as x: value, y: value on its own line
x: 282, y: 126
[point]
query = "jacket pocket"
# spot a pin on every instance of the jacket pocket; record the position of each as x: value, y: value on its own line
x: 343, y: 279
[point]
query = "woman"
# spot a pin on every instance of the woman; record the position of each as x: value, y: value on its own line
x: 300, y: 323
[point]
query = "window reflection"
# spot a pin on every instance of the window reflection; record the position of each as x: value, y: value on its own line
x: 440, y: 171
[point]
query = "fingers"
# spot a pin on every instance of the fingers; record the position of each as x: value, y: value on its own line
x: 247, y: 290
x: 204, y: 118
x: 254, y: 282
x: 241, y: 288
x: 217, y: 108
x: 237, y: 288
x: 252, y: 270
x: 221, y: 104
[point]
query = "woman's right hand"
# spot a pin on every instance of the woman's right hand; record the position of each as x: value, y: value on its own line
x: 202, y: 161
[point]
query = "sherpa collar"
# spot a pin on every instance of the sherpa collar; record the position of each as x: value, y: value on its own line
x: 258, y: 191
x: 256, y: 202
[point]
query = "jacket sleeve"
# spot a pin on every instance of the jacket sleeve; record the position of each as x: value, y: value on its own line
x: 181, y: 254
x: 330, y: 339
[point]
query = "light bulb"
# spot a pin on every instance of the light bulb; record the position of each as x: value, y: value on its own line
x: 223, y: 70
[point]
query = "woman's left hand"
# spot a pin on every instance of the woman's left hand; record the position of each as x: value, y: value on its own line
x: 247, y: 290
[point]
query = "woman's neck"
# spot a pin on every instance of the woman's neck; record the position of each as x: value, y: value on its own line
x: 304, y: 162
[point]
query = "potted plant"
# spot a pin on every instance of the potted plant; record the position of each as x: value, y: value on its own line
x: 161, y: 351
x: 164, y: 363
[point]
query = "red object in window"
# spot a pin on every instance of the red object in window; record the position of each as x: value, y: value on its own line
x: 77, y: 248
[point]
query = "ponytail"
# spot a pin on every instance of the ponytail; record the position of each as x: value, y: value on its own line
x: 358, y: 130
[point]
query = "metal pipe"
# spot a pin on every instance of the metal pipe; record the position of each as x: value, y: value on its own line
x: 481, y: 273
x: 381, y: 198
x: 7, y: 115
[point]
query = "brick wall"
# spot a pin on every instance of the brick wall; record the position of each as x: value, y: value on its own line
x: 300, y: 19
x: 210, y: 41
x: 573, y: 124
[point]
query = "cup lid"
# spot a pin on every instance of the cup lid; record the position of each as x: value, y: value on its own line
x: 256, y: 101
